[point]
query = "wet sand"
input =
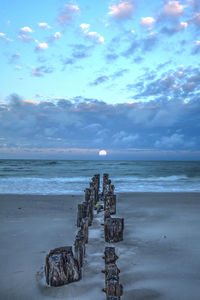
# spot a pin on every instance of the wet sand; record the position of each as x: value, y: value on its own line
x: 159, y: 257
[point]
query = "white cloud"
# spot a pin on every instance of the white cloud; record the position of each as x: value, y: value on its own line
x: 85, y: 26
x: 183, y: 25
x: 41, y: 46
x: 57, y: 35
x: 121, y: 11
x: 93, y: 36
x: 26, y: 29
x: 174, y: 8
x: 147, y: 22
x: 2, y: 35
x: 43, y: 25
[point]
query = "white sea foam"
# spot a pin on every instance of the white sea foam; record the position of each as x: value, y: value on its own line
x: 77, y: 185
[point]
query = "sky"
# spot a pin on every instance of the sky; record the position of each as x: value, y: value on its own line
x: 80, y: 76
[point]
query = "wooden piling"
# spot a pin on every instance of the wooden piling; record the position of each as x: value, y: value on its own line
x: 79, y: 248
x: 109, y: 255
x: 84, y: 227
x: 113, y: 229
x: 61, y: 267
x: 110, y: 203
x: 82, y: 212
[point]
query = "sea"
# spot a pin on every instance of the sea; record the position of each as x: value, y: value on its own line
x: 73, y: 176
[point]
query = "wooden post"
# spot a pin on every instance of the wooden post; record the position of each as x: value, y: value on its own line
x: 113, y: 229
x: 87, y: 194
x: 105, y: 179
x: 82, y: 212
x: 111, y: 272
x: 110, y: 203
x: 79, y: 248
x: 84, y: 227
x: 113, y: 288
x: 106, y: 214
x: 109, y: 255
x: 61, y: 267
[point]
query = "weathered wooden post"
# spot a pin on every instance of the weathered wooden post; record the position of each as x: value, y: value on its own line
x: 106, y: 214
x: 109, y: 255
x: 105, y: 179
x: 87, y: 194
x: 82, y: 212
x: 61, y: 267
x: 113, y: 229
x: 113, y: 289
x: 84, y: 227
x: 111, y: 272
x: 110, y: 203
x: 79, y: 248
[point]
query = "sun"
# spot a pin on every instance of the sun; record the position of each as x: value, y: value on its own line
x: 102, y: 153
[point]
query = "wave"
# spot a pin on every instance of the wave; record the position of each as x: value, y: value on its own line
x: 152, y: 178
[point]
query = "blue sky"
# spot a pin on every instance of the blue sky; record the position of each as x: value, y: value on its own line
x: 80, y: 76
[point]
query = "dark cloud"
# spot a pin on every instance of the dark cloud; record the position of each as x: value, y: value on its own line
x: 80, y: 51
x: 196, y: 49
x: 91, y: 123
x: 104, y: 78
x: 40, y: 71
x: 100, y: 80
x: 138, y: 46
x: 68, y: 14
x: 180, y: 84
x: 13, y: 58
x: 111, y: 57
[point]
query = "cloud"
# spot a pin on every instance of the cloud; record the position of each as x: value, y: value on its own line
x: 94, y: 36
x: 2, y: 36
x: 40, y: 71
x: 41, y: 46
x: 68, y: 13
x: 121, y: 11
x: 196, y: 20
x: 170, y: 142
x: 196, y: 48
x: 110, y: 57
x: 13, y: 58
x: 91, y: 35
x: 100, y: 80
x: 26, y: 29
x: 147, y: 22
x: 85, y: 27
x: 54, y: 37
x: 181, y: 84
x: 175, y: 29
x: 25, y: 38
x: 44, y: 25
x: 173, y: 9
x: 80, y: 51
x: 80, y: 122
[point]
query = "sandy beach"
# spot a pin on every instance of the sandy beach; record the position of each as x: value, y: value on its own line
x: 159, y: 257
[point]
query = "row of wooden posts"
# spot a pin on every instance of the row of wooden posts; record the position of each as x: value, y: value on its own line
x: 113, y: 230
x: 64, y: 264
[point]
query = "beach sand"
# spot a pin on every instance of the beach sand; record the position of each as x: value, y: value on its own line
x: 159, y: 257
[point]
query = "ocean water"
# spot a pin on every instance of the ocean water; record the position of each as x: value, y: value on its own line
x: 73, y: 176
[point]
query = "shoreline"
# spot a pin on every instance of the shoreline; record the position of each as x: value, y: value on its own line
x: 158, y: 259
